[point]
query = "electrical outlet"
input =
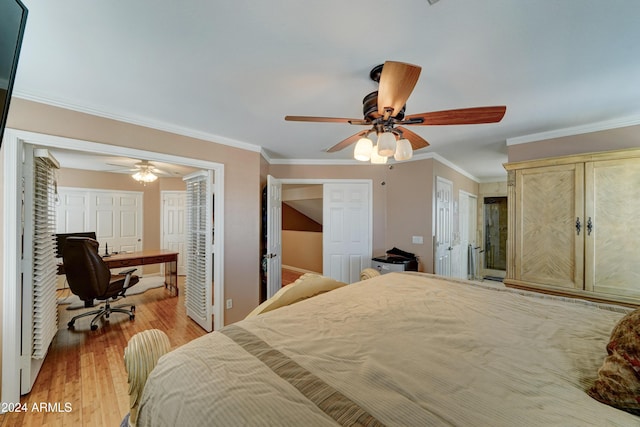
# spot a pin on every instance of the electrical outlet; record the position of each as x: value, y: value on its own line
x: 418, y: 240
x: 229, y: 303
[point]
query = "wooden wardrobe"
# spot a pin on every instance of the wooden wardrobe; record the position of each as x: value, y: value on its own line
x: 574, y: 225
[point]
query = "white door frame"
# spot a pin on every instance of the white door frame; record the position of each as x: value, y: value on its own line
x: 12, y: 147
x: 472, y: 226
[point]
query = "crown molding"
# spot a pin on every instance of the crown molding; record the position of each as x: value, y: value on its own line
x: 576, y: 130
x: 139, y: 121
x: 455, y: 167
x: 153, y: 124
x: 345, y: 162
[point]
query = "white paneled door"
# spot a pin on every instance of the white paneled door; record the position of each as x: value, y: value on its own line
x: 444, y: 213
x: 173, y: 225
x: 273, y: 256
x: 347, y: 230
x: 115, y: 216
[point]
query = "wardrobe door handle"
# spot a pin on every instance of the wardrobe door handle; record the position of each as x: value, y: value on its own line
x: 578, y: 225
x: 589, y: 226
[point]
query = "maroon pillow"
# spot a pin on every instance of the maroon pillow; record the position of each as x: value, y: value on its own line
x: 618, y: 382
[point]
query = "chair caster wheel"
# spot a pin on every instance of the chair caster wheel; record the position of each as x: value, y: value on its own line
x: 133, y: 308
x: 70, y: 325
x: 132, y: 316
x: 94, y: 327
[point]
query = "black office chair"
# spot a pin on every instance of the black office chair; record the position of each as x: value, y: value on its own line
x: 90, y: 278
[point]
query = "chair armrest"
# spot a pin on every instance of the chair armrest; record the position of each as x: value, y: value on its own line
x: 127, y: 279
x: 140, y: 357
x: 129, y: 271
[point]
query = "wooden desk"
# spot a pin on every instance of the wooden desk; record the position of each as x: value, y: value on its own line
x: 158, y: 256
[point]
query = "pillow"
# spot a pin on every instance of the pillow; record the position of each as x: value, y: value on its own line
x: 369, y: 273
x: 307, y: 286
x: 618, y: 382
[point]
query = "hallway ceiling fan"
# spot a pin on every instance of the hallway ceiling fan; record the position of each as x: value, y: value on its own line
x: 384, y: 113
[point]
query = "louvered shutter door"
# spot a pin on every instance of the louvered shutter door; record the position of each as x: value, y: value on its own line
x: 45, y: 312
x: 198, y: 262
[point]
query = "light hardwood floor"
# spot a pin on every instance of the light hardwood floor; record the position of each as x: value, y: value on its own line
x: 85, y: 368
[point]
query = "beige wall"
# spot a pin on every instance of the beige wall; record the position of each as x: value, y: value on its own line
x: 408, y: 192
x: 612, y: 139
x: 242, y: 183
x: 293, y: 219
x: 410, y: 205
x: 302, y: 249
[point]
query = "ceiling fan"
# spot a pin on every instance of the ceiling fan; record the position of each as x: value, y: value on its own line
x: 384, y: 113
x: 143, y: 171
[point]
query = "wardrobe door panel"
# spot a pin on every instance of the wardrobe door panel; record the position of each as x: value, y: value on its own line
x: 549, y: 248
x: 612, y: 246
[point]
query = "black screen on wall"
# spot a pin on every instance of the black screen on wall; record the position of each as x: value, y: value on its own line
x: 13, y: 17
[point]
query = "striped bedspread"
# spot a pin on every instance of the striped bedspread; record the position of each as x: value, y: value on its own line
x: 400, y: 349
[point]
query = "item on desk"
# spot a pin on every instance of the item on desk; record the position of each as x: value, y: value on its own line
x: 106, y: 250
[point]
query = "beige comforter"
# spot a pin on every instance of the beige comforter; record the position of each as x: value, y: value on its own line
x: 399, y: 350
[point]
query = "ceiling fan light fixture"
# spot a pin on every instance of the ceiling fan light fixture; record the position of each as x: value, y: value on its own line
x: 376, y: 158
x: 363, y: 150
x: 144, y: 176
x: 386, y: 144
x: 404, y: 151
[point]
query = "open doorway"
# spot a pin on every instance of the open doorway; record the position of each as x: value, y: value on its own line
x: 347, y: 233
x: 301, y: 230
x: 495, y: 240
x: 12, y: 300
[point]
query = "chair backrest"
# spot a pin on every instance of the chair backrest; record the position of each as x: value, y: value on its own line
x: 87, y: 273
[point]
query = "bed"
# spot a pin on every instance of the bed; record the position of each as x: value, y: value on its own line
x: 401, y: 349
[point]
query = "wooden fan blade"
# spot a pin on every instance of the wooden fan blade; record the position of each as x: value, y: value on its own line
x: 347, y: 142
x: 462, y: 116
x: 320, y: 119
x: 397, y: 81
x: 417, y: 142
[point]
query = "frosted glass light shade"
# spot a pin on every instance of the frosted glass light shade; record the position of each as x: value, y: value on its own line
x: 363, y: 150
x: 404, y: 151
x: 376, y: 158
x: 386, y: 144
